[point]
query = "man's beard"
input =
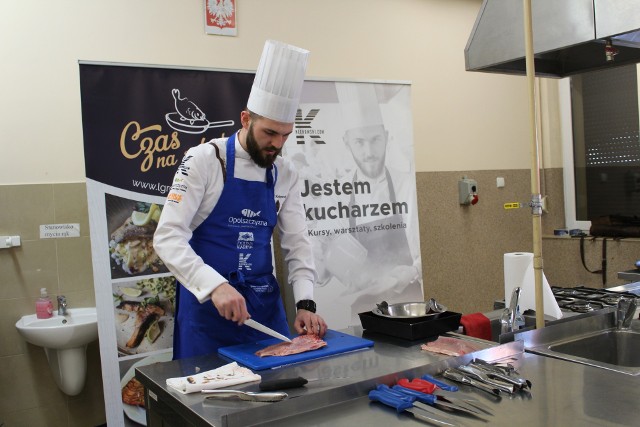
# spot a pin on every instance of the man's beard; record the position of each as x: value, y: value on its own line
x: 372, y: 170
x: 262, y: 158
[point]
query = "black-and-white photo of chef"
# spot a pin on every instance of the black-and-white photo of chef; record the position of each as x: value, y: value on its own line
x: 374, y: 252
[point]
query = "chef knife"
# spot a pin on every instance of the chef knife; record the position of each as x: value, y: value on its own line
x: 244, y: 395
x: 260, y: 327
x: 285, y: 383
x: 282, y: 383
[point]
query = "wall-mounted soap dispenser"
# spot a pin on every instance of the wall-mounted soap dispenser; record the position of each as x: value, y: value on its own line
x: 467, y: 191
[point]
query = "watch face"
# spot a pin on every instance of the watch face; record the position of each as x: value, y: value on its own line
x: 306, y: 305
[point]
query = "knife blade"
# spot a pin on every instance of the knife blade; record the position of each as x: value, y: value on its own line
x: 260, y: 327
x: 245, y: 395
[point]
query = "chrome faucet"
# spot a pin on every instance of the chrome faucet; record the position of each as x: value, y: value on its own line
x: 625, y: 310
x: 508, y: 318
x: 62, y: 305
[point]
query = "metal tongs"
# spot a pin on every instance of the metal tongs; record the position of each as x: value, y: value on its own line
x: 501, y: 373
x: 246, y: 395
x: 457, y: 376
x: 477, y: 374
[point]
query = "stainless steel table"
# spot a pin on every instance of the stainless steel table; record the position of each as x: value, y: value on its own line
x: 563, y: 393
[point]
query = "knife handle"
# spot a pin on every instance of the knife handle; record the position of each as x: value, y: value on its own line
x: 389, y: 400
x: 282, y: 384
x: 429, y: 399
x: 440, y: 384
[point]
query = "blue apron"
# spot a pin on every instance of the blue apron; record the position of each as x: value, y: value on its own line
x: 235, y: 240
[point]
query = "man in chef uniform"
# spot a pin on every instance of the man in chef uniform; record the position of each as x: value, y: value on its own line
x: 389, y: 267
x: 215, y: 231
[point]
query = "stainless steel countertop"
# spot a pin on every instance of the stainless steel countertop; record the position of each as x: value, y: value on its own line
x: 630, y: 275
x: 633, y: 287
x: 563, y: 393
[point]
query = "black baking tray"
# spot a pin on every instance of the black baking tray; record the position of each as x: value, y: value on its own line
x: 411, y: 328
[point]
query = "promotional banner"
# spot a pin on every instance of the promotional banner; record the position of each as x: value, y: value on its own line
x: 137, y: 124
x: 352, y: 145
x: 354, y: 153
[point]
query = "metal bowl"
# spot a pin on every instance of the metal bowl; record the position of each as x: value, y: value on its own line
x: 409, y: 310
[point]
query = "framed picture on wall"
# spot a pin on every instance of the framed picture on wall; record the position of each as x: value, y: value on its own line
x: 220, y: 17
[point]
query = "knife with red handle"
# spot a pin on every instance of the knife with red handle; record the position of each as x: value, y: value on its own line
x: 418, y: 384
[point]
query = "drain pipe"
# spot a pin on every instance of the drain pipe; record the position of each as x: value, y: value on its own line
x: 536, y: 201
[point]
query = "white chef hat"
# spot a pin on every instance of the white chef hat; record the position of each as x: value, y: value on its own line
x: 276, y: 89
x: 359, y: 105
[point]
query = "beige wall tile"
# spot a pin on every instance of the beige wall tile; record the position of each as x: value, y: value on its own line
x: 563, y: 267
x: 25, y: 208
x: 42, y: 416
x: 463, y: 246
x: 32, y: 382
x: 70, y: 205
x: 74, y: 257
x: 27, y: 268
x: 11, y: 343
x: 78, y: 299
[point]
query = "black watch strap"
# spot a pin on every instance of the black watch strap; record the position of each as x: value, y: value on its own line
x: 306, y: 304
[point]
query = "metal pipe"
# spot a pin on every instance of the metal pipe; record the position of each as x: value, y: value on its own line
x: 536, y: 204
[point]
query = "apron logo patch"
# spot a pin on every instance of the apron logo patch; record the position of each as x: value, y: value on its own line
x: 262, y: 289
x: 245, y: 240
x: 249, y: 213
x: 243, y: 262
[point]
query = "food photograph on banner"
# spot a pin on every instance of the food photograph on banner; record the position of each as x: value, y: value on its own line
x: 144, y: 311
x: 354, y: 156
x: 131, y: 226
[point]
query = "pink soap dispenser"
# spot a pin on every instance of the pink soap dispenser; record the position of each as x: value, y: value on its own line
x: 44, y: 306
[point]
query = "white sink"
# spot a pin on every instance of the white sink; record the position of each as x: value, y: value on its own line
x: 79, y: 327
x: 64, y: 339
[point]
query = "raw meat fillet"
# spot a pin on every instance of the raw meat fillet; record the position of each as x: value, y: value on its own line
x: 299, y: 344
x: 449, y: 346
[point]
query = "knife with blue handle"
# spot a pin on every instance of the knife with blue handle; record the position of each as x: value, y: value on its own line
x: 403, y: 404
x: 441, y: 384
x: 431, y: 399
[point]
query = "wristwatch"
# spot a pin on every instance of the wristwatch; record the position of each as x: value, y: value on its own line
x: 306, y: 304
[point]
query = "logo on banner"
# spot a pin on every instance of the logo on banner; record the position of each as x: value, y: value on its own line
x: 305, y: 129
x: 151, y: 143
x: 245, y: 240
x: 188, y: 117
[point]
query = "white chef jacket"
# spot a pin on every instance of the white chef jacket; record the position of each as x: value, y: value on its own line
x: 196, y: 188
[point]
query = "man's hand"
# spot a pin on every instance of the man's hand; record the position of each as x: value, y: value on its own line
x: 309, y: 323
x: 230, y: 304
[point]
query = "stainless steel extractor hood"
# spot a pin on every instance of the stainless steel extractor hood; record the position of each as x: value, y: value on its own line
x: 569, y: 36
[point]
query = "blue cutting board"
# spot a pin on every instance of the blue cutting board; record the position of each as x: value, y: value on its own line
x: 337, y: 342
